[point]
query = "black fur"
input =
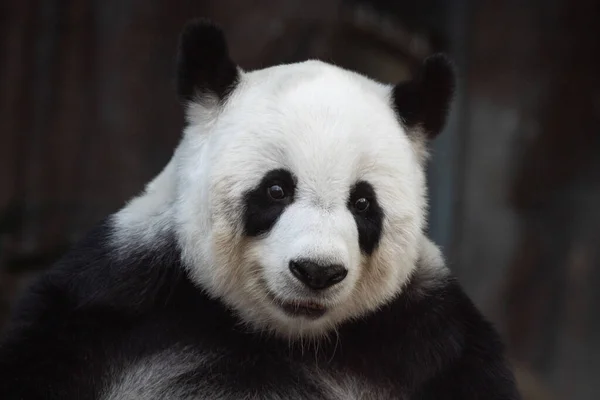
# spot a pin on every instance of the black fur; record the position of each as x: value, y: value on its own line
x: 95, y: 312
x: 370, y: 222
x: 260, y: 211
x: 203, y: 62
x: 424, y: 101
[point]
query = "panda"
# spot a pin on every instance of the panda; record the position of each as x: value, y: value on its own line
x: 280, y: 254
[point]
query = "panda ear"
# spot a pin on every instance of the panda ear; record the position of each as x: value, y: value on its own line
x: 423, y: 103
x: 203, y: 63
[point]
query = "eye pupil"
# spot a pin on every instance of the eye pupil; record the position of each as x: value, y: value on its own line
x: 276, y: 192
x: 361, y: 204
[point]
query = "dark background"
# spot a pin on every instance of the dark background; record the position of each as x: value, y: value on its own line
x: 88, y: 114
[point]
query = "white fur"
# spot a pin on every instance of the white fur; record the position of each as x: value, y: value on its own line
x: 328, y: 126
x: 152, y: 378
x: 155, y: 378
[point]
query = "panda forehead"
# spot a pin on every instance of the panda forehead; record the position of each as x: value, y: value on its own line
x: 312, y: 86
x: 282, y: 78
x: 329, y: 127
x: 309, y: 111
x: 327, y: 151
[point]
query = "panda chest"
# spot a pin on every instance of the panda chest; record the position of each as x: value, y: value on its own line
x: 337, y: 385
x: 189, y: 376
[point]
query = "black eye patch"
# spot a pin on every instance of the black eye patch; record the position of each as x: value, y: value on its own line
x: 369, y: 219
x: 264, y: 204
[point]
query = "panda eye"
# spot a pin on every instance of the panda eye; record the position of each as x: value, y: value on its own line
x: 276, y: 192
x: 361, y: 205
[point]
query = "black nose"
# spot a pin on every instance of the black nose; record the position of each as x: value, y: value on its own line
x: 318, y: 276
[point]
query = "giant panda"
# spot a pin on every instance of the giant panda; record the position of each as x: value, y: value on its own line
x: 280, y: 254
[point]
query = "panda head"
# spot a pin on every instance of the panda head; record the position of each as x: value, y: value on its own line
x: 301, y: 194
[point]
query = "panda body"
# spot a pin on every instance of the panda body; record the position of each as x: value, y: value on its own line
x: 279, y: 255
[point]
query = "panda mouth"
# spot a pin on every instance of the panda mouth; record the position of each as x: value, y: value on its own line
x: 307, y: 309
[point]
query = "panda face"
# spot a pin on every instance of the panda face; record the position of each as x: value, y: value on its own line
x: 315, y: 197
x: 301, y: 196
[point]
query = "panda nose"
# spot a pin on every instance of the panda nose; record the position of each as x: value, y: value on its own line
x: 318, y: 276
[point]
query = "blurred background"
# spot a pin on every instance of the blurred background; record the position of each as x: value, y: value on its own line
x: 88, y: 114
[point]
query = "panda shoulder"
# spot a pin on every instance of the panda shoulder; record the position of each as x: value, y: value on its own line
x: 437, y: 300
x: 96, y: 273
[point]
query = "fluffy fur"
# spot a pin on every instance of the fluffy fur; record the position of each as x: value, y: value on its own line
x: 307, y: 118
x: 186, y: 292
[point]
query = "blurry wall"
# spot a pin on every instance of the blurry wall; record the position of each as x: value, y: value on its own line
x: 88, y: 114
x: 527, y: 231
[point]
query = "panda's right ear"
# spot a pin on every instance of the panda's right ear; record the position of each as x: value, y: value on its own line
x: 203, y: 64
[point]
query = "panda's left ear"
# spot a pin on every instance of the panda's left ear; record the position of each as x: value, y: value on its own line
x: 423, y: 102
x: 204, y: 67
